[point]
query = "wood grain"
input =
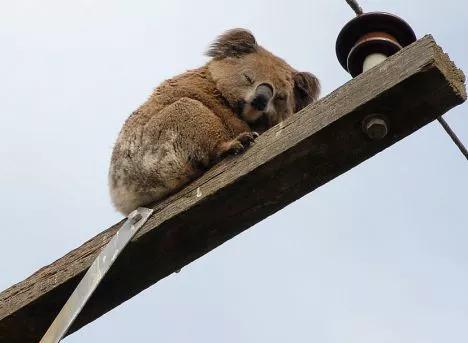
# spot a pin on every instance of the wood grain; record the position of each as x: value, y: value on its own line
x: 312, y: 147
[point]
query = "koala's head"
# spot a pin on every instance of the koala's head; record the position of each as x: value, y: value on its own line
x: 258, y: 85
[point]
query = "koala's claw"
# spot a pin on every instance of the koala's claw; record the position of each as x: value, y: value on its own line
x: 235, y: 147
x: 239, y: 144
x: 247, y: 138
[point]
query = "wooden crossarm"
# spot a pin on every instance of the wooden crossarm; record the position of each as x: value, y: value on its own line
x: 326, y: 139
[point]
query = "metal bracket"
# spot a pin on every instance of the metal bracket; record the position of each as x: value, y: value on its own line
x: 94, y: 275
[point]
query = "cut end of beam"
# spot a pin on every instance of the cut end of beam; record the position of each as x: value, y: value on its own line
x: 455, y: 76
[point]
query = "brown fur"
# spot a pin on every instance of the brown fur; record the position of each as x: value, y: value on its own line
x: 196, y: 118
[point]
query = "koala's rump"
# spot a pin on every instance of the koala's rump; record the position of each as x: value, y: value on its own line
x: 157, y: 156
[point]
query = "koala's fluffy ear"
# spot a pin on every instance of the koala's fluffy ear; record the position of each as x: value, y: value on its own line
x: 233, y: 43
x: 306, y: 89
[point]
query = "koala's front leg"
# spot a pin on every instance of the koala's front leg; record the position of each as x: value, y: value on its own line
x: 199, y: 138
x: 237, y: 145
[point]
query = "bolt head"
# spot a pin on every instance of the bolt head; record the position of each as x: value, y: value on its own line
x: 375, y: 128
x: 135, y: 217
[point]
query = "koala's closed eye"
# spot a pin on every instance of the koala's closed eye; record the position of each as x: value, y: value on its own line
x: 248, y: 78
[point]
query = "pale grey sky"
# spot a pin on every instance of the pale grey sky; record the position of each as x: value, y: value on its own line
x: 377, y: 255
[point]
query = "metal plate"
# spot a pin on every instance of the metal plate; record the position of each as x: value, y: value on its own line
x: 94, y: 275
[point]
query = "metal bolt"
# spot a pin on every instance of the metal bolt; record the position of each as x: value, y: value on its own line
x: 135, y: 217
x: 375, y: 127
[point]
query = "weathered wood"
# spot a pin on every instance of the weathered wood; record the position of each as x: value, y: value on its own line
x: 312, y: 147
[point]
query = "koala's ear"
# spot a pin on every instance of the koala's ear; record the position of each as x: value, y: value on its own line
x: 233, y: 43
x: 306, y: 89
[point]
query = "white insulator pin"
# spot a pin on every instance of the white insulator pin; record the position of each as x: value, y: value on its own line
x: 372, y: 60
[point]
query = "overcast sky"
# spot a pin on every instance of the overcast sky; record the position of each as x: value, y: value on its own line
x: 377, y: 255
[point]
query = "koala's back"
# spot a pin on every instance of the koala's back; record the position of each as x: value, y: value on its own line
x: 159, y: 148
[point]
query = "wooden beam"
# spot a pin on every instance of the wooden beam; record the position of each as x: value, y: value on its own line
x: 312, y: 147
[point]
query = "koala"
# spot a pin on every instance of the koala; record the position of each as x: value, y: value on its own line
x: 195, y: 119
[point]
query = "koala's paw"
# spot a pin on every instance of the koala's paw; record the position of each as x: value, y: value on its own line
x: 239, y: 144
x: 247, y: 138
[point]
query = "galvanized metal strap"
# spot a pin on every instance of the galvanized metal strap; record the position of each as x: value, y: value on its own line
x: 94, y: 275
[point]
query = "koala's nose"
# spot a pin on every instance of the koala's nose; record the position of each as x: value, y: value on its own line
x: 263, y: 94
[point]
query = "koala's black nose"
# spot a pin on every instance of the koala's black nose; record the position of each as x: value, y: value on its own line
x: 260, y: 102
x: 263, y: 94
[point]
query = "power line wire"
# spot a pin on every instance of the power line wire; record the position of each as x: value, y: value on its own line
x: 454, y: 137
x: 355, y: 6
